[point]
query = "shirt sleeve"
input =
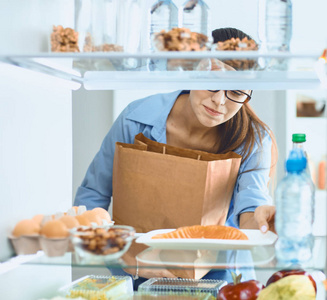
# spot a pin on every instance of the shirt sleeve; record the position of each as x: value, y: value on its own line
x: 251, y: 189
x: 96, y: 188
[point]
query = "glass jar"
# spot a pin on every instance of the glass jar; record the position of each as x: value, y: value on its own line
x: 194, y: 15
x: 95, y: 22
x: 61, y: 34
x: 163, y: 15
x: 129, y: 20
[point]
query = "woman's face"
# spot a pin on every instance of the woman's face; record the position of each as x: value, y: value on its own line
x: 212, y: 109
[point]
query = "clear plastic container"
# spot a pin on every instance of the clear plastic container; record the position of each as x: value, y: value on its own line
x: 166, y: 296
x: 183, y: 39
x: 95, y: 23
x: 163, y: 15
x: 129, y: 21
x: 62, y: 36
x: 190, y: 286
x: 85, y: 26
x: 237, y: 44
x: 101, y: 245
x: 194, y: 15
x: 98, y: 287
x: 275, y: 30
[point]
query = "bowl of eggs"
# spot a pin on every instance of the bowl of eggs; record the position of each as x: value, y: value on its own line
x: 101, y: 244
x: 51, y: 233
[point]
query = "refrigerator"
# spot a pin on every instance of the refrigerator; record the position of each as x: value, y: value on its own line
x: 51, y: 127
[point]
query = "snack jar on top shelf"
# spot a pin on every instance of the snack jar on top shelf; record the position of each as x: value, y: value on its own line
x: 162, y: 15
x: 91, y: 27
x: 194, y: 15
x: 61, y: 33
x: 95, y: 23
x: 129, y: 23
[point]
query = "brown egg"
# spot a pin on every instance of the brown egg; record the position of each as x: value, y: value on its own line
x: 26, y: 227
x: 75, y: 208
x: 83, y: 221
x: 102, y: 213
x: 92, y: 217
x: 54, y: 229
x: 38, y: 218
x: 69, y: 221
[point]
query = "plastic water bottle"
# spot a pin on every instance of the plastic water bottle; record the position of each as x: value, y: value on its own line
x: 274, y: 31
x: 163, y: 16
x: 278, y: 25
x: 194, y: 15
x: 299, y: 140
x: 294, y: 212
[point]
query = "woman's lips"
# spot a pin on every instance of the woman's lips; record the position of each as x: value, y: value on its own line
x: 212, y: 112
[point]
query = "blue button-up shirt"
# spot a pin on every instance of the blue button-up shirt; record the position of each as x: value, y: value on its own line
x: 149, y: 116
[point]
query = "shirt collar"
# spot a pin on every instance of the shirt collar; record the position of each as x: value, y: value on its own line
x: 148, y: 113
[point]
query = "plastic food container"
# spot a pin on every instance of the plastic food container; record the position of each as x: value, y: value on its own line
x: 189, y: 286
x: 182, y: 39
x: 166, y: 296
x: 98, y: 287
x: 240, y: 64
x: 101, y: 244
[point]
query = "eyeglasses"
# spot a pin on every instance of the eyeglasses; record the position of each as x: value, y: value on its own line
x: 236, y: 96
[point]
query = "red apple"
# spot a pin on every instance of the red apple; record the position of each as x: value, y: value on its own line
x: 246, y: 290
x: 282, y: 273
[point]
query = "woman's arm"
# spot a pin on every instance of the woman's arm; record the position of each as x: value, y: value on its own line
x: 251, y: 190
x: 96, y: 187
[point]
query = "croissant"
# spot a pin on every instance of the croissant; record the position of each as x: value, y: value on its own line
x: 204, y: 232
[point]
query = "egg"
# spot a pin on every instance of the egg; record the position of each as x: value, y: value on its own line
x: 102, y: 213
x: 69, y: 221
x: 83, y: 221
x: 26, y: 227
x: 54, y: 229
x: 38, y: 218
x: 92, y: 217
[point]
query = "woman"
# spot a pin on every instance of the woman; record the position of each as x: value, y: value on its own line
x: 215, y: 121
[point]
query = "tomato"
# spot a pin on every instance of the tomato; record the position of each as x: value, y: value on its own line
x: 246, y: 290
x: 282, y: 273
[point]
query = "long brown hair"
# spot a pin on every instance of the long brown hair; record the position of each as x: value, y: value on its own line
x: 244, y: 130
x: 241, y: 130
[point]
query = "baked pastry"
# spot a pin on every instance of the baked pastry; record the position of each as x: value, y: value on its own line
x: 204, y: 232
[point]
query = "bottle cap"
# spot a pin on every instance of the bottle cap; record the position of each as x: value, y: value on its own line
x: 296, y: 161
x: 298, y: 137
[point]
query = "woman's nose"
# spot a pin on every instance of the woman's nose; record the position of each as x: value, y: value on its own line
x: 219, y: 98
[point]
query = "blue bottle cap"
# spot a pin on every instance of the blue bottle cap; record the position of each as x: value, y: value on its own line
x: 296, y: 161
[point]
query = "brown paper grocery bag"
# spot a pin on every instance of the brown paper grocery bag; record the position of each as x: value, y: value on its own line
x: 158, y: 186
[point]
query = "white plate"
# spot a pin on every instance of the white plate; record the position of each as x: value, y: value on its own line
x: 256, y: 238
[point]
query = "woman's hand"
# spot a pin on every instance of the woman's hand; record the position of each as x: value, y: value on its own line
x: 264, y: 216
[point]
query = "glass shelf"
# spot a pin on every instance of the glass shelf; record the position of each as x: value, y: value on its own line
x: 259, y: 258
x: 177, y: 70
